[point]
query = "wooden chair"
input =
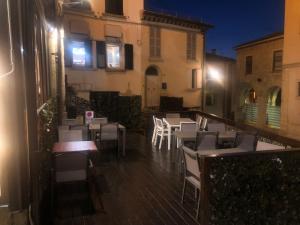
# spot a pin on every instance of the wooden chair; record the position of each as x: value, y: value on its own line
x: 191, y: 173
x: 246, y: 140
x: 206, y: 140
x: 109, y: 134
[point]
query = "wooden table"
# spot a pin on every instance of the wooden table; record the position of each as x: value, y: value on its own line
x: 122, y: 129
x: 74, y: 146
x: 173, y: 123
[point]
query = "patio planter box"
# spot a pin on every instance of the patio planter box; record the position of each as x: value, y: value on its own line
x: 170, y: 104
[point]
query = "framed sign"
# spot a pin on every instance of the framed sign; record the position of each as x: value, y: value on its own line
x: 89, y: 116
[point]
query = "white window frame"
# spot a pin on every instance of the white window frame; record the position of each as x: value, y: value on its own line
x: 114, y: 43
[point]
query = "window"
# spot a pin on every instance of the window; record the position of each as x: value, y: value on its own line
x: 209, y: 99
x: 249, y: 64
x: 155, y: 42
x: 114, y: 7
x: 191, y: 46
x: 112, y: 54
x: 194, y: 78
x: 277, y: 61
x: 78, y: 53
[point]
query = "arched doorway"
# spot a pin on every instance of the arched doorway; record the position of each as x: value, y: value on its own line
x: 274, y: 107
x: 152, y: 86
x: 248, y: 103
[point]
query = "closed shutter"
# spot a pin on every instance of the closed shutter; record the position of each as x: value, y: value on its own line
x: 101, y: 54
x: 128, y: 56
x: 88, y: 53
x: 68, y: 52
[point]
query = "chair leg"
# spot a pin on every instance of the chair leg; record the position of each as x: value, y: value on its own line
x: 183, y: 191
x: 155, y: 138
x: 153, y: 135
x: 160, y: 142
x: 198, y: 207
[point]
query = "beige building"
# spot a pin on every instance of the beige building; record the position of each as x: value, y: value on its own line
x: 259, y: 82
x: 118, y: 46
x: 219, y: 85
x: 290, y: 119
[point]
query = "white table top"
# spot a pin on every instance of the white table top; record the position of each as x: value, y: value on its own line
x: 175, y: 122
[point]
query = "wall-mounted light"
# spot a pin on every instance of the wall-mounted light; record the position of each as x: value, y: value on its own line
x: 215, y: 74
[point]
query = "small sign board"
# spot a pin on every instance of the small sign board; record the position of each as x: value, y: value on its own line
x: 89, y: 116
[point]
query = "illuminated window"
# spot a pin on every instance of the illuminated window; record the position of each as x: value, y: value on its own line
x: 113, y: 54
x: 78, y: 53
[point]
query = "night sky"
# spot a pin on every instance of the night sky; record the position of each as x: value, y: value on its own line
x: 235, y: 21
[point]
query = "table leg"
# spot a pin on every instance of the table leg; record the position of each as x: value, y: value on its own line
x: 124, y: 141
x: 169, y: 138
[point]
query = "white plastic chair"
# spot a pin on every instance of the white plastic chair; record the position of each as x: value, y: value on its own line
x: 199, y: 120
x: 161, y: 131
x: 203, y: 124
x: 154, y: 129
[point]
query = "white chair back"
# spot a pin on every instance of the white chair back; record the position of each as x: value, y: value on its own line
x: 69, y: 135
x: 203, y: 124
x: 172, y: 115
x: 154, y: 121
x: 216, y: 127
x: 63, y: 127
x: 159, y: 123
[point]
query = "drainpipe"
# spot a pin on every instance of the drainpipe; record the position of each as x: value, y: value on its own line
x: 203, y: 73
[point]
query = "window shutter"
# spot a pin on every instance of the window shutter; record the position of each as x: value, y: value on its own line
x: 88, y: 53
x: 101, y: 54
x: 68, y: 52
x: 129, y: 56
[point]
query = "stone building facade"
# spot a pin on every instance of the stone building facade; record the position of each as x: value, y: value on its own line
x: 119, y: 46
x: 290, y: 118
x: 219, y: 85
x: 259, y: 82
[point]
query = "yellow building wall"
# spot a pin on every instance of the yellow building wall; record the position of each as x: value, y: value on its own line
x: 262, y: 68
x: 174, y: 67
x: 290, y: 111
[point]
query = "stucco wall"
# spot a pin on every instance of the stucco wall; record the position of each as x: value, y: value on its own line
x: 290, y: 111
x: 262, y: 78
x: 174, y: 67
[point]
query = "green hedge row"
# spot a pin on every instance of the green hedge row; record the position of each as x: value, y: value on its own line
x: 257, y: 189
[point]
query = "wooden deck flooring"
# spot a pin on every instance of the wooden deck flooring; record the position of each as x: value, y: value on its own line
x: 144, y: 188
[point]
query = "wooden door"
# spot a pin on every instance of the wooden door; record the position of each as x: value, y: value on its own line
x: 152, y: 91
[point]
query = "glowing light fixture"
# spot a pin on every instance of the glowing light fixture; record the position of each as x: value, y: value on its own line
x: 214, y: 74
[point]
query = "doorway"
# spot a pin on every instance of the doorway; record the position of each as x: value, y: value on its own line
x: 152, y: 87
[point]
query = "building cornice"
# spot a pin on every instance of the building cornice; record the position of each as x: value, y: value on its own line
x: 265, y: 39
x: 153, y: 18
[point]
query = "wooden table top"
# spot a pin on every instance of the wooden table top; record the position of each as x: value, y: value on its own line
x: 74, y: 146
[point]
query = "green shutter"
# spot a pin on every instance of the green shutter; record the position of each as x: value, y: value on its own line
x: 128, y: 56
x: 88, y: 53
x: 68, y: 52
x: 101, y: 54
